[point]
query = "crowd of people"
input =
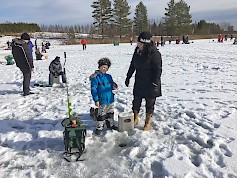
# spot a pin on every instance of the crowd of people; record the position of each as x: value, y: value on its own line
x: 146, y: 63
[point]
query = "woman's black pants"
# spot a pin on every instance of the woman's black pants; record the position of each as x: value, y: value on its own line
x: 150, y: 102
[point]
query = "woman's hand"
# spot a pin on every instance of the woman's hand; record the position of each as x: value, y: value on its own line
x: 127, y: 82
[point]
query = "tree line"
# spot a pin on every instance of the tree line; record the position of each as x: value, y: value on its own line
x: 18, y: 27
x: 111, y: 19
x: 177, y: 20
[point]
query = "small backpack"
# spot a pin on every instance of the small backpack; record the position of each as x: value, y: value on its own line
x: 74, y: 137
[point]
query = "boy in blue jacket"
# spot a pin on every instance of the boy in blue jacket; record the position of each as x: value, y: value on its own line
x: 102, y: 85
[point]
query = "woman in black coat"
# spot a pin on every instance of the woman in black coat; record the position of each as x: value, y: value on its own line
x: 147, y: 63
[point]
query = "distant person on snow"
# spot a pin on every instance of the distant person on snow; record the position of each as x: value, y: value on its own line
x: 226, y: 37
x: 102, y: 85
x: 83, y: 42
x: 177, y: 41
x: 185, y: 40
x: 235, y: 41
x: 24, y: 60
x: 43, y: 48
x: 31, y: 46
x: 55, y: 69
x: 131, y: 40
x: 10, y: 60
x: 147, y: 63
x: 47, y: 45
x: 162, y: 43
x: 8, y: 45
x: 38, y: 54
x: 220, y: 38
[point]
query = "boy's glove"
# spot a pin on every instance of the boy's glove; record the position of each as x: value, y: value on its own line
x: 115, y: 86
x: 127, y: 82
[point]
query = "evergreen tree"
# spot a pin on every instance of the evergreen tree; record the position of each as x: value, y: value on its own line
x: 177, y: 18
x: 162, y: 28
x: 140, y: 19
x: 121, y: 12
x: 154, y: 29
x: 71, y: 33
x: 203, y: 28
x: 102, y: 15
x: 170, y: 18
x: 183, y: 18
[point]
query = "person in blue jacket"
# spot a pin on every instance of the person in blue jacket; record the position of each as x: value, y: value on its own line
x: 31, y: 46
x: 102, y: 85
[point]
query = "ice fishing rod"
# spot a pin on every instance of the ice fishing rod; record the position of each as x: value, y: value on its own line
x: 68, y: 100
x: 36, y: 44
x: 65, y: 58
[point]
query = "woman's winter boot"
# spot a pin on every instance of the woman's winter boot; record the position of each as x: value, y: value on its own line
x: 147, y: 122
x: 136, y: 114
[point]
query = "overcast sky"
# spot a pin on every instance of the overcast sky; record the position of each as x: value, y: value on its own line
x: 71, y: 12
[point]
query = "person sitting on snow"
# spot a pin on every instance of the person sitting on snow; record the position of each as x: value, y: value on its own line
x: 220, y: 38
x: 55, y: 69
x: 10, y: 59
x: 47, y: 44
x: 38, y: 54
x: 102, y: 85
x: 235, y: 41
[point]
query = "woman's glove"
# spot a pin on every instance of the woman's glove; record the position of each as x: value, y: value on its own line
x: 127, y: 82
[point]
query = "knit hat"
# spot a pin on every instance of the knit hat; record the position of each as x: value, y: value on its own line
x: 57, y: 58
x: 104, y: 61
x: 25, y: 36
x: 144, y: 37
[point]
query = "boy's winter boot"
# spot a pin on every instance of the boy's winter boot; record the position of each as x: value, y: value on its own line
x: 136, y: 114
x: 147, y: 122
x: 110, y: 122
x: 98, y: 132
x: 99, y: 127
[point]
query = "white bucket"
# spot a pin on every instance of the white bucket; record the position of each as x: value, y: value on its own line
x: 125, y: 122
x: 56, y: 80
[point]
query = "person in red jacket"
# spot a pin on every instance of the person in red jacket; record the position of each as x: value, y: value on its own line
x: 83, y: 42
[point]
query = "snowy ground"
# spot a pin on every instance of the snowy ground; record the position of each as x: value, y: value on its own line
x: 193, y: 128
